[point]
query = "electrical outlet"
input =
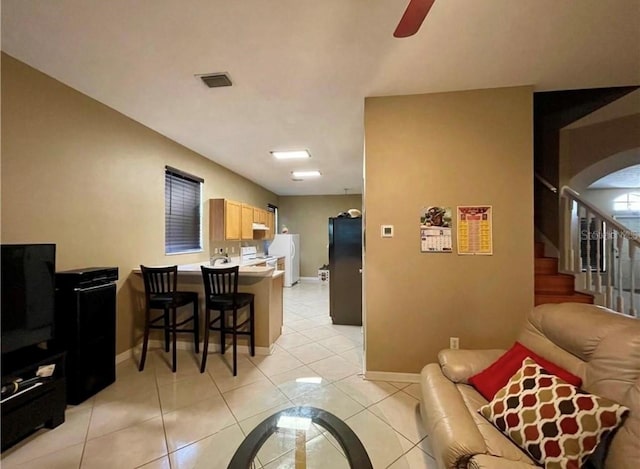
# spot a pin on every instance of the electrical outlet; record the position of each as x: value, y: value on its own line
x: 454, y: 343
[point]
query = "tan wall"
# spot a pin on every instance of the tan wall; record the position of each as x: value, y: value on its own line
x: 81, y: 175
x: 308, y: 216
x: 462, y: 148
x: 598, y: 149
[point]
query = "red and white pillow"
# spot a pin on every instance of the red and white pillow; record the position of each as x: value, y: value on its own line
x: 554, y: 422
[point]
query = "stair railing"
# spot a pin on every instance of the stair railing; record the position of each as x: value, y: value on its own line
x: 592, y: 248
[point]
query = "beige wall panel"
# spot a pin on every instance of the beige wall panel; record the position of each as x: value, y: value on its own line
x: 462, y: 148
x: 583, y: 147
x: 309, y: 216
x: 81, y: 175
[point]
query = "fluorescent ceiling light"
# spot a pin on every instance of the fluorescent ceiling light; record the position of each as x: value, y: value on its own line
x: 305, y: 174
x: 291, y: 155
x: 294, y: 423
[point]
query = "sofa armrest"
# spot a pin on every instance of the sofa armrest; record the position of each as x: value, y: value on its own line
x: 486, y: 461
x: 453, y: 432
x: 460, y: 365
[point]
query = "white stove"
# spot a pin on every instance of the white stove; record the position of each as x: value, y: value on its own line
x: 249, y: 255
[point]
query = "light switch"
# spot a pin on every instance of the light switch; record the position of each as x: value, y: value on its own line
x: 386, y: 231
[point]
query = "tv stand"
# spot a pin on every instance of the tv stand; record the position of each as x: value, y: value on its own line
x: 40, y: 405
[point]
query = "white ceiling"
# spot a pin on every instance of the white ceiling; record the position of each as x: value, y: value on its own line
x: 627, y: 178
x: 302, y: 68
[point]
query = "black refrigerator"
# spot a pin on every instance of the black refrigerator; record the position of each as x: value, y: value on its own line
x: 86, y: 329
x: 345, y: 270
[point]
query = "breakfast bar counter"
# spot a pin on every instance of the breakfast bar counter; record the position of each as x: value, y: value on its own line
x: 263, y: 281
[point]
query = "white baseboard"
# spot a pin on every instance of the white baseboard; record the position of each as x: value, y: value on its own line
x: 183, y: 345
x: 310, y: 279
x: 390, y: 376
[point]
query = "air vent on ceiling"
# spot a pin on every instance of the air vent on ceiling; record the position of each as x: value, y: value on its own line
x: 216, y: 80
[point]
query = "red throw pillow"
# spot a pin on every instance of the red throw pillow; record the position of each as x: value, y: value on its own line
x: 489, y: 381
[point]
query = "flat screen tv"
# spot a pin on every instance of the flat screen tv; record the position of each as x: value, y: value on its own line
x: 28, y: 294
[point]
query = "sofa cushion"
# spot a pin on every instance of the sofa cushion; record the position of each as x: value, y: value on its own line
x: 496, y: 376
x: 496, y: 443
x: 554, y: 422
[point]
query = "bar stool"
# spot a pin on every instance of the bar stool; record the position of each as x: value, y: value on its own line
x: 221, y: 294
x: 161, y: 292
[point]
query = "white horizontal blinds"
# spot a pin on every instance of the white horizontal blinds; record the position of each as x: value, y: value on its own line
x: 182, y: 211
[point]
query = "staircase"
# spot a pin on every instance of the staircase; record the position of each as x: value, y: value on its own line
x: 552, y: 286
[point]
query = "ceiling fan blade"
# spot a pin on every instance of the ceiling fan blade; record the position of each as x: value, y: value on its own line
x: 413, y: 17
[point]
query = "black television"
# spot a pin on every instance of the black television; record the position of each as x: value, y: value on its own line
x: 28, y: 294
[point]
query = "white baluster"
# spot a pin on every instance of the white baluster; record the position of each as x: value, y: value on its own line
x: 577, y: 244
x: 632, y: 276
x: 599, y: 234
x: 588, y: 285
x: 567, y: 215
x: 608, y: 257
x: 619, y: 244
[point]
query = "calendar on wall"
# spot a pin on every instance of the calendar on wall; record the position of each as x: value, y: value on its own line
x: 435, y: 229
x: 475, y: 231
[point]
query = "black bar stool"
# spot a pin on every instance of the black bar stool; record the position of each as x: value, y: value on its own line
x: 161, y: 292
x: 221, y: 294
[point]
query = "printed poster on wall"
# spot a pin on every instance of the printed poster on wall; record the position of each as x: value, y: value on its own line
x: 435, y: 230
x: 475, y: 232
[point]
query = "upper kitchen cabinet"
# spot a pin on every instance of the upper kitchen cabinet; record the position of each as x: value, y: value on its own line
x: 225, y: 220
x: 259, y: 215
x: 246, y: 231
x: 271, y: 223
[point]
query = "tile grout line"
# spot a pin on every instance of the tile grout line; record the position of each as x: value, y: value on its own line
x: 86, y: 435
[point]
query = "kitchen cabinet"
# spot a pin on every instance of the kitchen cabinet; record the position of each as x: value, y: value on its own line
x: 271, y: 219
x: 225, y: 220
x: 233, y: 221
x: 246, y: 231
x: 259, y: 215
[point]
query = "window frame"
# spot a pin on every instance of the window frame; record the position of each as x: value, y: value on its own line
x: 179, y: 174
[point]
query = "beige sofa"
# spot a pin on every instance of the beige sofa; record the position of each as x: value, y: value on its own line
x: 594, y: 343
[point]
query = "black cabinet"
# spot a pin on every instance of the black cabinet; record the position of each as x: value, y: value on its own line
x: 38, y: 405
x: 86, y: 328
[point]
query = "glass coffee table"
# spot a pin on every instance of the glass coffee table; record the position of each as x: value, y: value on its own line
x: 307, y: 438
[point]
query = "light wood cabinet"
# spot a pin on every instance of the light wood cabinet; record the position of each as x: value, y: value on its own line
x: 247, y: 222
x: 225, y: 218
x: 259, y: 215
x: 271, y: 219
x: 233, y: 221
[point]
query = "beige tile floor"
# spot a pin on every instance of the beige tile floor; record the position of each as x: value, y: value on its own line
x: 156, y: 419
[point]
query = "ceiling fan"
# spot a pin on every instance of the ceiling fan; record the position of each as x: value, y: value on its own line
x: 413, y: 17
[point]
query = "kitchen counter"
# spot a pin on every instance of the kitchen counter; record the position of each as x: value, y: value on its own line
x: 264, y: 282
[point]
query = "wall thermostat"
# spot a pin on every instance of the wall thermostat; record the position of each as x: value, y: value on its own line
x: 386, y: 231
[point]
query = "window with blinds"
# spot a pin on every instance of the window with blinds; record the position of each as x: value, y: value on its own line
x: 183, y: 211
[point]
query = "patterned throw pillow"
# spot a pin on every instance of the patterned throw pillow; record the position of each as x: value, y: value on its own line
x: 554, y: 422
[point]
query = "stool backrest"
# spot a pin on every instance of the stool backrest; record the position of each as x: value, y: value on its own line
x: 159, y: 279
x: 222, y: 281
